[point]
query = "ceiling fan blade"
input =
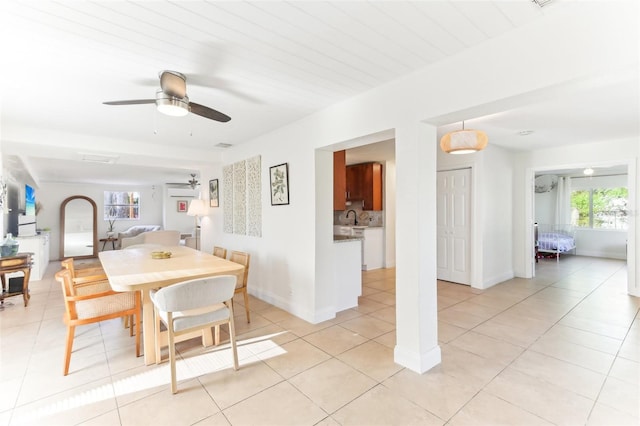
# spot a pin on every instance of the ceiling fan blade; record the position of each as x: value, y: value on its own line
x: 207, y: 112
x: 131, y: 102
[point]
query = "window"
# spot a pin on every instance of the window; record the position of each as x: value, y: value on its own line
x: 600, y: 208
x: 121, y: 205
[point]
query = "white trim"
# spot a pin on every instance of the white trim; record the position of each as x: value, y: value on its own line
x: 419, y: 363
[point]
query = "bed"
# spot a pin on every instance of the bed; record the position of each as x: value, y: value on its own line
x: 555, y: 239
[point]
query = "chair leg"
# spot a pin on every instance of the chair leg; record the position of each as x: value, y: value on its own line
x: 69, y: 346
x: 172, y: 358
x: 232, y: 338
x: 158, y: 335
x: 246, y: 303
x: 138, y: 333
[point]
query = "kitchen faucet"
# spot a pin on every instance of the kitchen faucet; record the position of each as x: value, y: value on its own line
x: 355, y: 216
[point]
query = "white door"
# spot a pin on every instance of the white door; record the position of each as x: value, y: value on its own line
x: 454, y: 231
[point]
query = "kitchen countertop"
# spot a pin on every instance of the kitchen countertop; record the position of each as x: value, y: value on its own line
x: 345, y: 238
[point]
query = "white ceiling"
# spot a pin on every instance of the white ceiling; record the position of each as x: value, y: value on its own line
x: 266, y: 64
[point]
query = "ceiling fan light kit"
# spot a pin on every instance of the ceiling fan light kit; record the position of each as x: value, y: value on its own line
x: 171, y: 105
x: 464, y: 141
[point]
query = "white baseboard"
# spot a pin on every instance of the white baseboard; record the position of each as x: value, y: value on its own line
x: 419, y: 363
x: 599, y: 253
x: 490, y: 282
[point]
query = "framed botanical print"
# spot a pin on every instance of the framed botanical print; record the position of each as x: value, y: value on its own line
x: 183, y: 206
x: 214, y: 198
x: 279, y: 177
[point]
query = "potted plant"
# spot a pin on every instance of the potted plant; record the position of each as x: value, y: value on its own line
x: 112, y: 221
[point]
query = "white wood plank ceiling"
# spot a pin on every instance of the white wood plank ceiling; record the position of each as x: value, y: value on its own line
x: 264, y: 63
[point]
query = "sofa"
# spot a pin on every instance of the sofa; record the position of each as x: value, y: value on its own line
x: 163, y: 238
x: 137, y: 230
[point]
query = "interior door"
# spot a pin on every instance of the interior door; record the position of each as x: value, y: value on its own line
x: 454, y: 229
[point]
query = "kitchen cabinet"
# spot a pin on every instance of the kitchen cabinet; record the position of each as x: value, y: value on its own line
x: 364, y: 185
x: 373, y: 248
x: 339, y: 180
x: 39, y: 246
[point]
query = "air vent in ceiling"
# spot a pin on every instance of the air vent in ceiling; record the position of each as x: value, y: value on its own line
x: 542, y: 3
x: 99, y: 158
x: 223, y: 145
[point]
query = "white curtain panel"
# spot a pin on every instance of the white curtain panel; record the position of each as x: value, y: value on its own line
x: 563, y: 201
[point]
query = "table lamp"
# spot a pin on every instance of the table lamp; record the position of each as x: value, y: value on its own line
x: 197, y: 208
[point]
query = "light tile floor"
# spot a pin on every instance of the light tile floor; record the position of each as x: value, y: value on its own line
x: 563, y: 348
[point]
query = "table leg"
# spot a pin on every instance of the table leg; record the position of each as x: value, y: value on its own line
x: 148, y: 329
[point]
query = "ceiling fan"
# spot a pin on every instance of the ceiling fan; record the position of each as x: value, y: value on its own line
x: 193, y: 182
x: 172, y: 99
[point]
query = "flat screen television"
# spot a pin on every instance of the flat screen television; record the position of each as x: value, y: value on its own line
x: 30, y: 201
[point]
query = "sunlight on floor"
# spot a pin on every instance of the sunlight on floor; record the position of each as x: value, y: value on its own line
x: 187, y: 368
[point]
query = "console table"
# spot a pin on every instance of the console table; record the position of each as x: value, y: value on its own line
x: 21, y: 262
x: 111, y: 240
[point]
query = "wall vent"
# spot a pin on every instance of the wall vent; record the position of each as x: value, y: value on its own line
x: 542, y: 3
x: 99, y: 158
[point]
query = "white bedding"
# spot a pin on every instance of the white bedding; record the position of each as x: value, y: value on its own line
x: 556, y: 242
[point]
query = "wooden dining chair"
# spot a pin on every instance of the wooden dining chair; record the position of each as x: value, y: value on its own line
x: 193, y: 305
x: 220, y: 252
x: 241, y: 286
x: 92, y: 273
x: 92, y: 302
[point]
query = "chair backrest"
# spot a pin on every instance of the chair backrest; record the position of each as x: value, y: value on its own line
x: 167, y: 238
x: 65, y: 279
x: 243, y: 259
x: 68, y: 265
x: 220, y: 252
x: 195, y: 294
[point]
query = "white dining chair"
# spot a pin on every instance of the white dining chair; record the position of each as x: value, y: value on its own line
x: 193, y: 305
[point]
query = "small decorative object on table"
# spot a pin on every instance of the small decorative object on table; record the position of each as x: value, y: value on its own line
x: 9, y: 246
x: 160, y: 254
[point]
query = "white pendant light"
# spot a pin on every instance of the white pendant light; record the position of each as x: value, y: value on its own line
x: 464, y: 141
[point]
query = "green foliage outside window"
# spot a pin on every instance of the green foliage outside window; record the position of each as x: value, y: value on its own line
x: 603, y: 208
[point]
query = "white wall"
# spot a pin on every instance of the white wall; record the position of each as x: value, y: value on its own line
x: 51, y: 195
x: 545, y: 205
x: 491, y: 212
x: 180, y: 221
x: 496, y: 204
x: 390, y: 214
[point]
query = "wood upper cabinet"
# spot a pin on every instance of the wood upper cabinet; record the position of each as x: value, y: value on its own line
x: 364, y: 184
x: 339, y: 180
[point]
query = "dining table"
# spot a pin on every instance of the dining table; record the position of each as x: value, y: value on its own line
x: 136, y: 269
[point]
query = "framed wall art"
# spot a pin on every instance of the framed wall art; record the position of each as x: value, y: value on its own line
x: 279, y: 177
x: 214, y: 198
x: 183, y: 205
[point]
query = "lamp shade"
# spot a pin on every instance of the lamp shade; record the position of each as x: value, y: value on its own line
x: 197, y: 208
x: 464, y: 141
